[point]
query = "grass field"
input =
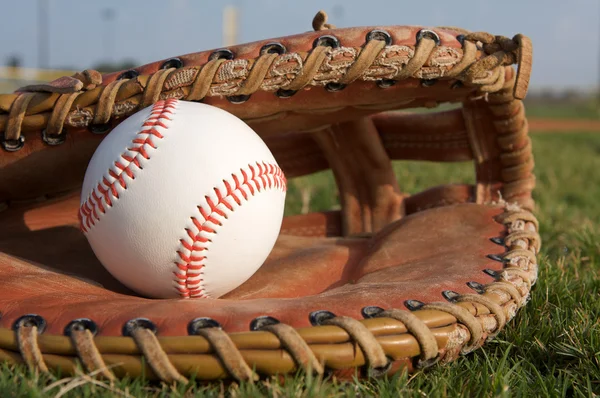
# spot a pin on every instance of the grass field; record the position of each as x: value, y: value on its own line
x: 584, y: 110
x: 552, y: 348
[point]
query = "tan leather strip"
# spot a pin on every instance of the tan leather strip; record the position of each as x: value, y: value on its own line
x: 83, y: 340
x: 518, y: 172
x: 503, y: 96
x: 297, y: 347
x: 365, y: 59
x: 156, y: 356
x: 106, y: 102
x: 59, y: 113
x: 487, y: 78
x: 203, y: 80
x: 479, y: 71
x: 506, y: 110
x: 511, y: 123
x: 483, y: 37
x: 512, y: 217
x: 228, y: 354
x: 257, y: 74
x: 464, y: 317
x: 371, y: 348
x: 29, y: 348
x: 507, y: 288
x: 129, y: 89
x: 514, y: 189
x: 469, y: 56
x: 522, y: 280
x: 496, y: 83
x: 516, y: 272
x: 525, y: 64
x: 493, y: 307
x: 531, y: 237
x: 416, y: 327
x: 328, y: 343
x: 515, y: 253
x: 516, y: 159
x: 155, y: 86
x: 326, y: 336
x: 62, y: 85
x: 319, y: 22
x: 16, y: 116
x: 518, y: 156
x: 422, y: 53
x: 509, y: 142
x: 311, y: 66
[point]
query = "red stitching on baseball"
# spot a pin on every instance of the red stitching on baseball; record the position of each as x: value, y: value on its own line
x: 188, y: 278
x: 98, y: 202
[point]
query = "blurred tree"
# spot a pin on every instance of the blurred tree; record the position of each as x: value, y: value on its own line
x: 14, y: 61
x: 107, y: 67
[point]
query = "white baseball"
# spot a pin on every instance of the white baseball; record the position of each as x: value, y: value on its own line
x: 182, y: 199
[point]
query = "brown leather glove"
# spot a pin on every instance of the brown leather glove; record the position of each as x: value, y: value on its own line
x: 390, y: 281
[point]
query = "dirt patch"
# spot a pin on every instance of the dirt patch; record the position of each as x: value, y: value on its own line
x: 564, y: 125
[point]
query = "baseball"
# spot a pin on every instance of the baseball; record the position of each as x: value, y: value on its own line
x: 182, y: 200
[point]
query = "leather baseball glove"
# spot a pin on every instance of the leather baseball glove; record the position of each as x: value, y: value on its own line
x: 390, y: 281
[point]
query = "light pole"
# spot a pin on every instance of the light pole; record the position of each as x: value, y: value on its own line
x: 230, y: 25
x: 43, y: 34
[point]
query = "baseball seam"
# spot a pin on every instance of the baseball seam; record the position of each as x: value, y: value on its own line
x: 106, y: 191
x: 194, y: 246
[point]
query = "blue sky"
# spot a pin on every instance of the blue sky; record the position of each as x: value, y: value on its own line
x: 565, y: 34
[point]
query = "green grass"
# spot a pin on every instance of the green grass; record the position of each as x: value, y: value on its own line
x: 586, y: 110
x: 552, y: 347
